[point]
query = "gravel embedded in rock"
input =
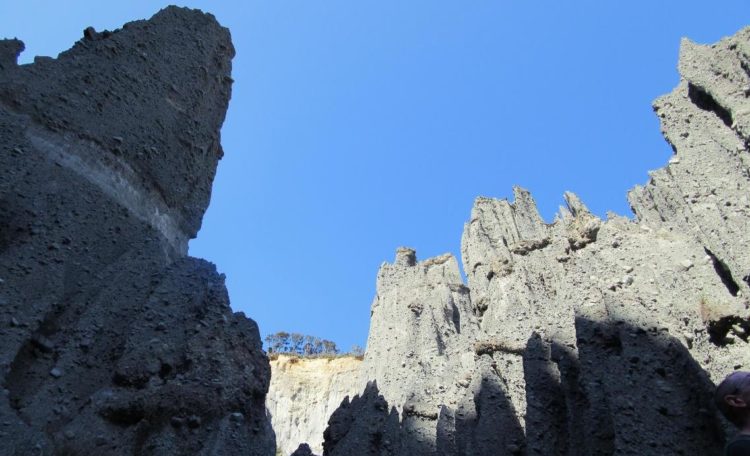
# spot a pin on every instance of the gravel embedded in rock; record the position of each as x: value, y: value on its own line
x: 569, y: 345
x: 100, y: 240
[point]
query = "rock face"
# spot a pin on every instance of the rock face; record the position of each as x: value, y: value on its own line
x: 112, y: 340
x: 304, y: 392
x: 421, y: 334
x: 582, y: 336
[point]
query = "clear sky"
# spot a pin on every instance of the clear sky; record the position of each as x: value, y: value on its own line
x: 356, y: 127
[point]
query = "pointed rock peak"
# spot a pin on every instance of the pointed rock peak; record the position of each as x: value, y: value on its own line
x: 563, y: 213
x: 521, y: 194
x: 481, y: 201
x: 371, y: 388
x: 405, y: 256
x: 694, y: 56
x: 303, y: 450
x: 575, y: 205
x: 144, y: 84
x: 9, y: 52
x: 524, y: 202
x: 529, y: 223
x: 687, y: 45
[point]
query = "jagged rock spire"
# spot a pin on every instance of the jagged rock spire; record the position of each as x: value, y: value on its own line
x: 583, y: 336
x: 112, y: 340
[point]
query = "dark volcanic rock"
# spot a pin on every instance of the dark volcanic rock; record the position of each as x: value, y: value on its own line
x: 112, y: 341
x: 365, y: 426
x: 303, y: 450
x: 145, y: 102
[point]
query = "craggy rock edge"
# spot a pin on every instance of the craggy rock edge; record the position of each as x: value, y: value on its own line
x: 112, y: 340
x: 582, y: 336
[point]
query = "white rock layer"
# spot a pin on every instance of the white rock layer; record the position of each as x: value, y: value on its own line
x: 304, y: 392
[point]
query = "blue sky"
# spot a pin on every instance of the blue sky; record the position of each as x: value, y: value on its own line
x: 356, y: 127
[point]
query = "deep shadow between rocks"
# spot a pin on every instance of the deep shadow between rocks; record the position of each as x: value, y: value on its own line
x: 620, y: 390
x: 366, y: 426
x: 627, y: 391
x: 485, y: 423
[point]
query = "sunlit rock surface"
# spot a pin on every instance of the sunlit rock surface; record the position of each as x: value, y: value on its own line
x: 583, y: 336
x: 304, y: 392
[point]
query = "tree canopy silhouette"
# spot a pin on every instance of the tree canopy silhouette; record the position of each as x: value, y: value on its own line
x: 283, y: 342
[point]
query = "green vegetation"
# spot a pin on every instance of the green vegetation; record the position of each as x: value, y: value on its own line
x: 298, y: 344
x: 305, y: 346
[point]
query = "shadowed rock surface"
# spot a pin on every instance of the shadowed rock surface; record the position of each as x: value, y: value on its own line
x: 367, y: 426
x: 303, y: 450
x: 112, y: 340
x: 583, y: 336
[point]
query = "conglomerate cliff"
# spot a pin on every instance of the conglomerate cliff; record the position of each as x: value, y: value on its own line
x: 304, y: 392
x: 579, y: 337
x: 583, y: 336
x: 112, y: 340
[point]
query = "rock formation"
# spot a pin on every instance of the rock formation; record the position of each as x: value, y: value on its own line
x: 583, y: 336
x: 304, y: 392
x: 112, y: 340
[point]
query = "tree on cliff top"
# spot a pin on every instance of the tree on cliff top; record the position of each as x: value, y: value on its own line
x: 283, y: 342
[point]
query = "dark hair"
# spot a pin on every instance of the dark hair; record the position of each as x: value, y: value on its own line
x: 733, y: 384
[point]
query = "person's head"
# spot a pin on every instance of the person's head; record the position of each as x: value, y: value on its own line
x: 733, y: 398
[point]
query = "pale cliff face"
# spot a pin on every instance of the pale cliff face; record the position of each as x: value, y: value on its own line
x: 304, y: 392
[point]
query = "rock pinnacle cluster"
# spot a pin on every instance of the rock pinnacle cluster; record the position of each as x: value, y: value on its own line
x: 582, y: 336
x: 578, y: 337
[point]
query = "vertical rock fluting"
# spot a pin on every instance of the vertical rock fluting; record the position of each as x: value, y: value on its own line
x: 421, y: 329
x: 582, y: 336
x: 112, y: 340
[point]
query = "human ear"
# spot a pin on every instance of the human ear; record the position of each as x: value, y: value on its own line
x: 735, y: 400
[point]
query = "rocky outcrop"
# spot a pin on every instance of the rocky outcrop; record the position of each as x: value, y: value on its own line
x: 303, y: 450
x: 112, y: 340
x: 366, y: 426
x: 421, y: 334
x: 583, y: 336
x: 304, y: 392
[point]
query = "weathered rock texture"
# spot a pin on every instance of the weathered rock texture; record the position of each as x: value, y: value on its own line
x: 582, y: 336
x: 304, y: 392
x: 112, y: 340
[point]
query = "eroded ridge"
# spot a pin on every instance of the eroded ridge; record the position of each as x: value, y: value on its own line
x: 583, y: 336
x: 112, y: 340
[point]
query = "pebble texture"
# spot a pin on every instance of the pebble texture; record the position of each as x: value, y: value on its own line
x: 304, y: 392
x: 583, y: 336
x: 112, y: 340
x: 421, y: 327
